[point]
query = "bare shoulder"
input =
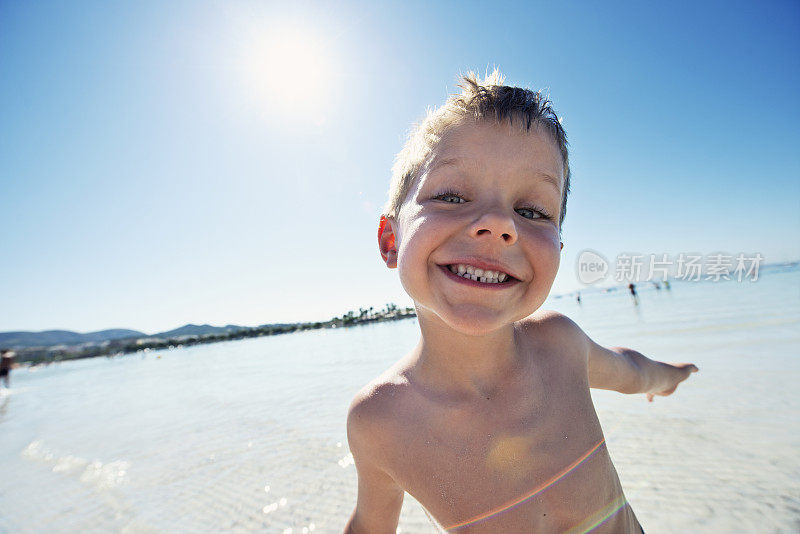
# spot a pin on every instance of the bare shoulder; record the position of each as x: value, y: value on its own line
x: 375, y: 399
x: 370, y: 419
x: 554, y: 323
x: 555, y: 330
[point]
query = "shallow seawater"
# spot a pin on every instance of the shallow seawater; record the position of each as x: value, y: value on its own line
x: 250, y: 435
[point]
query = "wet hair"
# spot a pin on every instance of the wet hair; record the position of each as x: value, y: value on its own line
x: 479, y: 100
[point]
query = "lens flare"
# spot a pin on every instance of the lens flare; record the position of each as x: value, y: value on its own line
x: 599, y: 517
x: 502, y: 508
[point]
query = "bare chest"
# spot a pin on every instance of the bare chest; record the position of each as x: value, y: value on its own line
x: 538, y: 465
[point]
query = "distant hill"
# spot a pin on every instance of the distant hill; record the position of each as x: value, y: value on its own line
x: 61, y: 337
x: 19, y: 340
x: 199, y: 330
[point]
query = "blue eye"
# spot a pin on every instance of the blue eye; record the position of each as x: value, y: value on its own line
x: 533, y: 213
x: 450, y: 197
x: 528, y: 213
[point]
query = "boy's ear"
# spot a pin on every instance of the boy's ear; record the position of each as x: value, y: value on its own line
x: 562, y: 245
x: 386, y: 242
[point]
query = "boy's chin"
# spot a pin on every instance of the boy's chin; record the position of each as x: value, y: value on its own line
x: 477, y: 330
x: 476, y: 322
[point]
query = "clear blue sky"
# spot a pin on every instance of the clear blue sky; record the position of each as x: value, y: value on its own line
x: 159, y: 167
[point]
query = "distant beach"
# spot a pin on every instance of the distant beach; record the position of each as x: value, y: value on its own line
x: 249, y: 435
x: 37, y: 348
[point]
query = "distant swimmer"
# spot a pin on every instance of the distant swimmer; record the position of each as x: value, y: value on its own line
x: 632, y: 289
x: 666, y: 285
x: 658, y: 286
x: 6, y: 364
x: 578, y: 297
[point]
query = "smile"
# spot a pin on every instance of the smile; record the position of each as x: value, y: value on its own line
x: 476, y: 274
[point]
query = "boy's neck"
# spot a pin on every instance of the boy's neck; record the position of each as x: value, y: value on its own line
x: 452, y: 362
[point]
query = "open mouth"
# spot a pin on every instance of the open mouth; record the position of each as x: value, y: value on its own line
x: 484, y: 276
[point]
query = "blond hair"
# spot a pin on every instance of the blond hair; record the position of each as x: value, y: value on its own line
x: 487, y: 100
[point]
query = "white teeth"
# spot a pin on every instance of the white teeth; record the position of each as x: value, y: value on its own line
x: 485, y: 276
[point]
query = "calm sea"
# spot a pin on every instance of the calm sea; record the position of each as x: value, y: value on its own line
x: 250, y: 435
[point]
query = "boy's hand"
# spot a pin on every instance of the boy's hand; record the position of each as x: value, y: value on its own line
x: 681, y: 372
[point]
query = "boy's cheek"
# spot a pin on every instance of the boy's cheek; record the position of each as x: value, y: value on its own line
x: 412, y: 226
x: 547, y: 239
x: 546, y: 251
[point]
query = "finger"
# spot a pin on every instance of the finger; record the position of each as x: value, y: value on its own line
x: 650, y: 397
x: 694, y: 368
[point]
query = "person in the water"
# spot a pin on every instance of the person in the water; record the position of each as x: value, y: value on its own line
x: 6, y: 364
x: 489, y: 422
x: 632, y: 289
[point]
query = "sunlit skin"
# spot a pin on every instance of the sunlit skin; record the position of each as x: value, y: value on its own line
x: 468, y: 208
x: 489, y: 422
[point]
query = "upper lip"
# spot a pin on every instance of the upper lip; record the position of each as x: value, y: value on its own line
x: 486, y: 265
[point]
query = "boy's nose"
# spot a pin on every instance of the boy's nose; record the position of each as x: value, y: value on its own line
x: 496, y: 224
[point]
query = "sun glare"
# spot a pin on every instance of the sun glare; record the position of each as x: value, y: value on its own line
x: 287, y: 70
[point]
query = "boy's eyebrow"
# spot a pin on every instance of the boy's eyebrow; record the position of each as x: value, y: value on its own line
x: 454, y: 161
x: 549, y: 179
x: 443, y: 162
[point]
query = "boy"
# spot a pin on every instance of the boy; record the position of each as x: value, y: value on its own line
x: 489, y: 422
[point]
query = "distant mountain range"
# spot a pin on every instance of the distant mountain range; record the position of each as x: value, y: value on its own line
x: 17, y: 340
x: 61, y: 337
x: 200, y: 330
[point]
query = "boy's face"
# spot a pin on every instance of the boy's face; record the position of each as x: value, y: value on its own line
x: 488, y: 199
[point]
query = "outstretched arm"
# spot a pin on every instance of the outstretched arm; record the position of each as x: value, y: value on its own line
x: 379, y: 497
x: 627, y: 371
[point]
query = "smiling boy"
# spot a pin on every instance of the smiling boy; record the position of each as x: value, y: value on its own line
x: 489, y: 422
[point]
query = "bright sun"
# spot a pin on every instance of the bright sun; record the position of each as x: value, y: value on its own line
x: 287, y: 70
